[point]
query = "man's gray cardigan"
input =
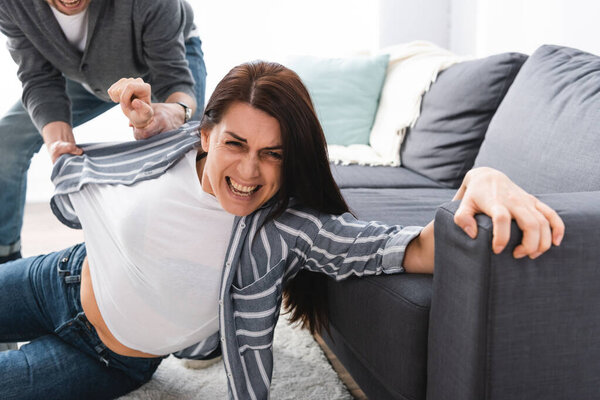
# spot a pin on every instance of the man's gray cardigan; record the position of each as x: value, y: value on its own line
x: 126, y: 38
x: 263, y: 253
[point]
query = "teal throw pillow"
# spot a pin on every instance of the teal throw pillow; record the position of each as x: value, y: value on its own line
x: 345, y: 92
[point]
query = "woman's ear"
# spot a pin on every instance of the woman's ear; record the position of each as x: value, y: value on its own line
x: 204, y: 139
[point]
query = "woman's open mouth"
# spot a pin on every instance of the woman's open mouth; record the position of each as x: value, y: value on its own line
x: 241, y: 190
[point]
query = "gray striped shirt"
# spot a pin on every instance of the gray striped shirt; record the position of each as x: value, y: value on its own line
x: 262, y: 254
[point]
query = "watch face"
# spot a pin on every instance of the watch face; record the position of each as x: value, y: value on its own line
x: 187, y: 110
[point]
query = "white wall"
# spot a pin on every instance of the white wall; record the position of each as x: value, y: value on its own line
x: 235, y: 31
x: 484, y: 27
x: 517, y: 25
x: 406, y: 20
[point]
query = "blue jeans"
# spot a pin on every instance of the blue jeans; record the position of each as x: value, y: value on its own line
x: 65, y: 359
x: 195, y: 59
x: 20, y: 140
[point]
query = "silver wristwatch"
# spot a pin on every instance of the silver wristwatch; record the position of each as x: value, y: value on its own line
x: 187, y: 110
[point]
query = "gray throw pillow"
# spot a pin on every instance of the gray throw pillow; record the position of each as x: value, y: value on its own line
x: 546, y: 133
x: 455, y: 114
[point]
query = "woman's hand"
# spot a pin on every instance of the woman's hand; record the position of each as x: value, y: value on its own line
x: 488, y: 191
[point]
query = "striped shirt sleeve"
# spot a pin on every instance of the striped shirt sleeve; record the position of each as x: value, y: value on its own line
x: 342, y: 246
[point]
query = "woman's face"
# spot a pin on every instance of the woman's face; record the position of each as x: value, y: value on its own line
x: 245, y: 157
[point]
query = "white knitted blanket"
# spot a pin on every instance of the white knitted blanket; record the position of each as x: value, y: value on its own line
x: 412, y: 68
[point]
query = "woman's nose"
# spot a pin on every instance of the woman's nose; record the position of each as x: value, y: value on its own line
x: 249, y: 167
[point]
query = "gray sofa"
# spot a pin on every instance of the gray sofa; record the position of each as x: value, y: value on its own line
x: 484, y: 326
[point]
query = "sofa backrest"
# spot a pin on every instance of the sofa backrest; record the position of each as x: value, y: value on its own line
x: 455, y: 114
x: 546, y: 133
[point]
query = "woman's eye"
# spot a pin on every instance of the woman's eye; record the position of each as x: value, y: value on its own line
x: 275, y: 155
x: 233, y: 143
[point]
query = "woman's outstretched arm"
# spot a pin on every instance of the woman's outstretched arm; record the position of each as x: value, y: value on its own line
x: 488, y: 191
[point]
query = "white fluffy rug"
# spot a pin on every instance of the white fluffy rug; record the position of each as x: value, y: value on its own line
x: 301, y: 371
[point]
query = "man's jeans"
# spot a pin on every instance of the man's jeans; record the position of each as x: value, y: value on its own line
x: 20, y: 140
x: 65, y: 359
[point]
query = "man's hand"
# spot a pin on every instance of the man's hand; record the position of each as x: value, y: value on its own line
x: 134, y: 95
x: 59, y: 139
x: 167, y: 116
x: 488, y: 191
x: 147, y: 118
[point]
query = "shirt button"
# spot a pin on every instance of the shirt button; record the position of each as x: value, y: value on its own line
x: 222, y: 338
x: 220, y: 302
x: 228, y: 264
x: 242, y: 225
x: 229, y: 375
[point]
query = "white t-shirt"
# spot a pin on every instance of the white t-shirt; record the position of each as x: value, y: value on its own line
x: 74, y: 27
x: 156, y: 251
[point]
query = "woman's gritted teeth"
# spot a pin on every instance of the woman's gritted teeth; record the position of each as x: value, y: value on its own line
x: 241, y: 190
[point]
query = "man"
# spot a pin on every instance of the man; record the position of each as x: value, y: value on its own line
x: 69, y: 53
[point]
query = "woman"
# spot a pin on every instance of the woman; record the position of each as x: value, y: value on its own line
x: 194, y: 249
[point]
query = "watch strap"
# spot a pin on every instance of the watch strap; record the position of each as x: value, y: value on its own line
x: 187, y: 110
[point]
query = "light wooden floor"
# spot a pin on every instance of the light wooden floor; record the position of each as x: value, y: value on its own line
x: 342, y: 372
x: 43, y: 233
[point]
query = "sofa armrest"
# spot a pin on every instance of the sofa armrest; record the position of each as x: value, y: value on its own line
x: 502, y: 328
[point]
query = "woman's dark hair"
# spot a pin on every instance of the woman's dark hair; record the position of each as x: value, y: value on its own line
x: 306, y: 176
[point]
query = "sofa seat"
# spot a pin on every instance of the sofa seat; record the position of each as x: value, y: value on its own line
x: 387, y: 360
x: 401, y: 206
x: 361, y: 176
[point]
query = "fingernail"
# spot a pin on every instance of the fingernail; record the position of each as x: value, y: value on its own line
x: 518, y: 254
x: 469, y: 230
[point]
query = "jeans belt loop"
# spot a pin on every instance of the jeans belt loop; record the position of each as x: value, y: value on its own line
x: 63, y: 272
x: 101, y: 348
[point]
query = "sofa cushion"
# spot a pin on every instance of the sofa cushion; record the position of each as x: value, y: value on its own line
x: 546, y: 133
x: 455, y: 114
x: 357, y: 176
x: 345, y: 92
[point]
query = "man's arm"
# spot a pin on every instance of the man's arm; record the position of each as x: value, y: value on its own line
x: 170, y: 77
x: 44, y: 95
